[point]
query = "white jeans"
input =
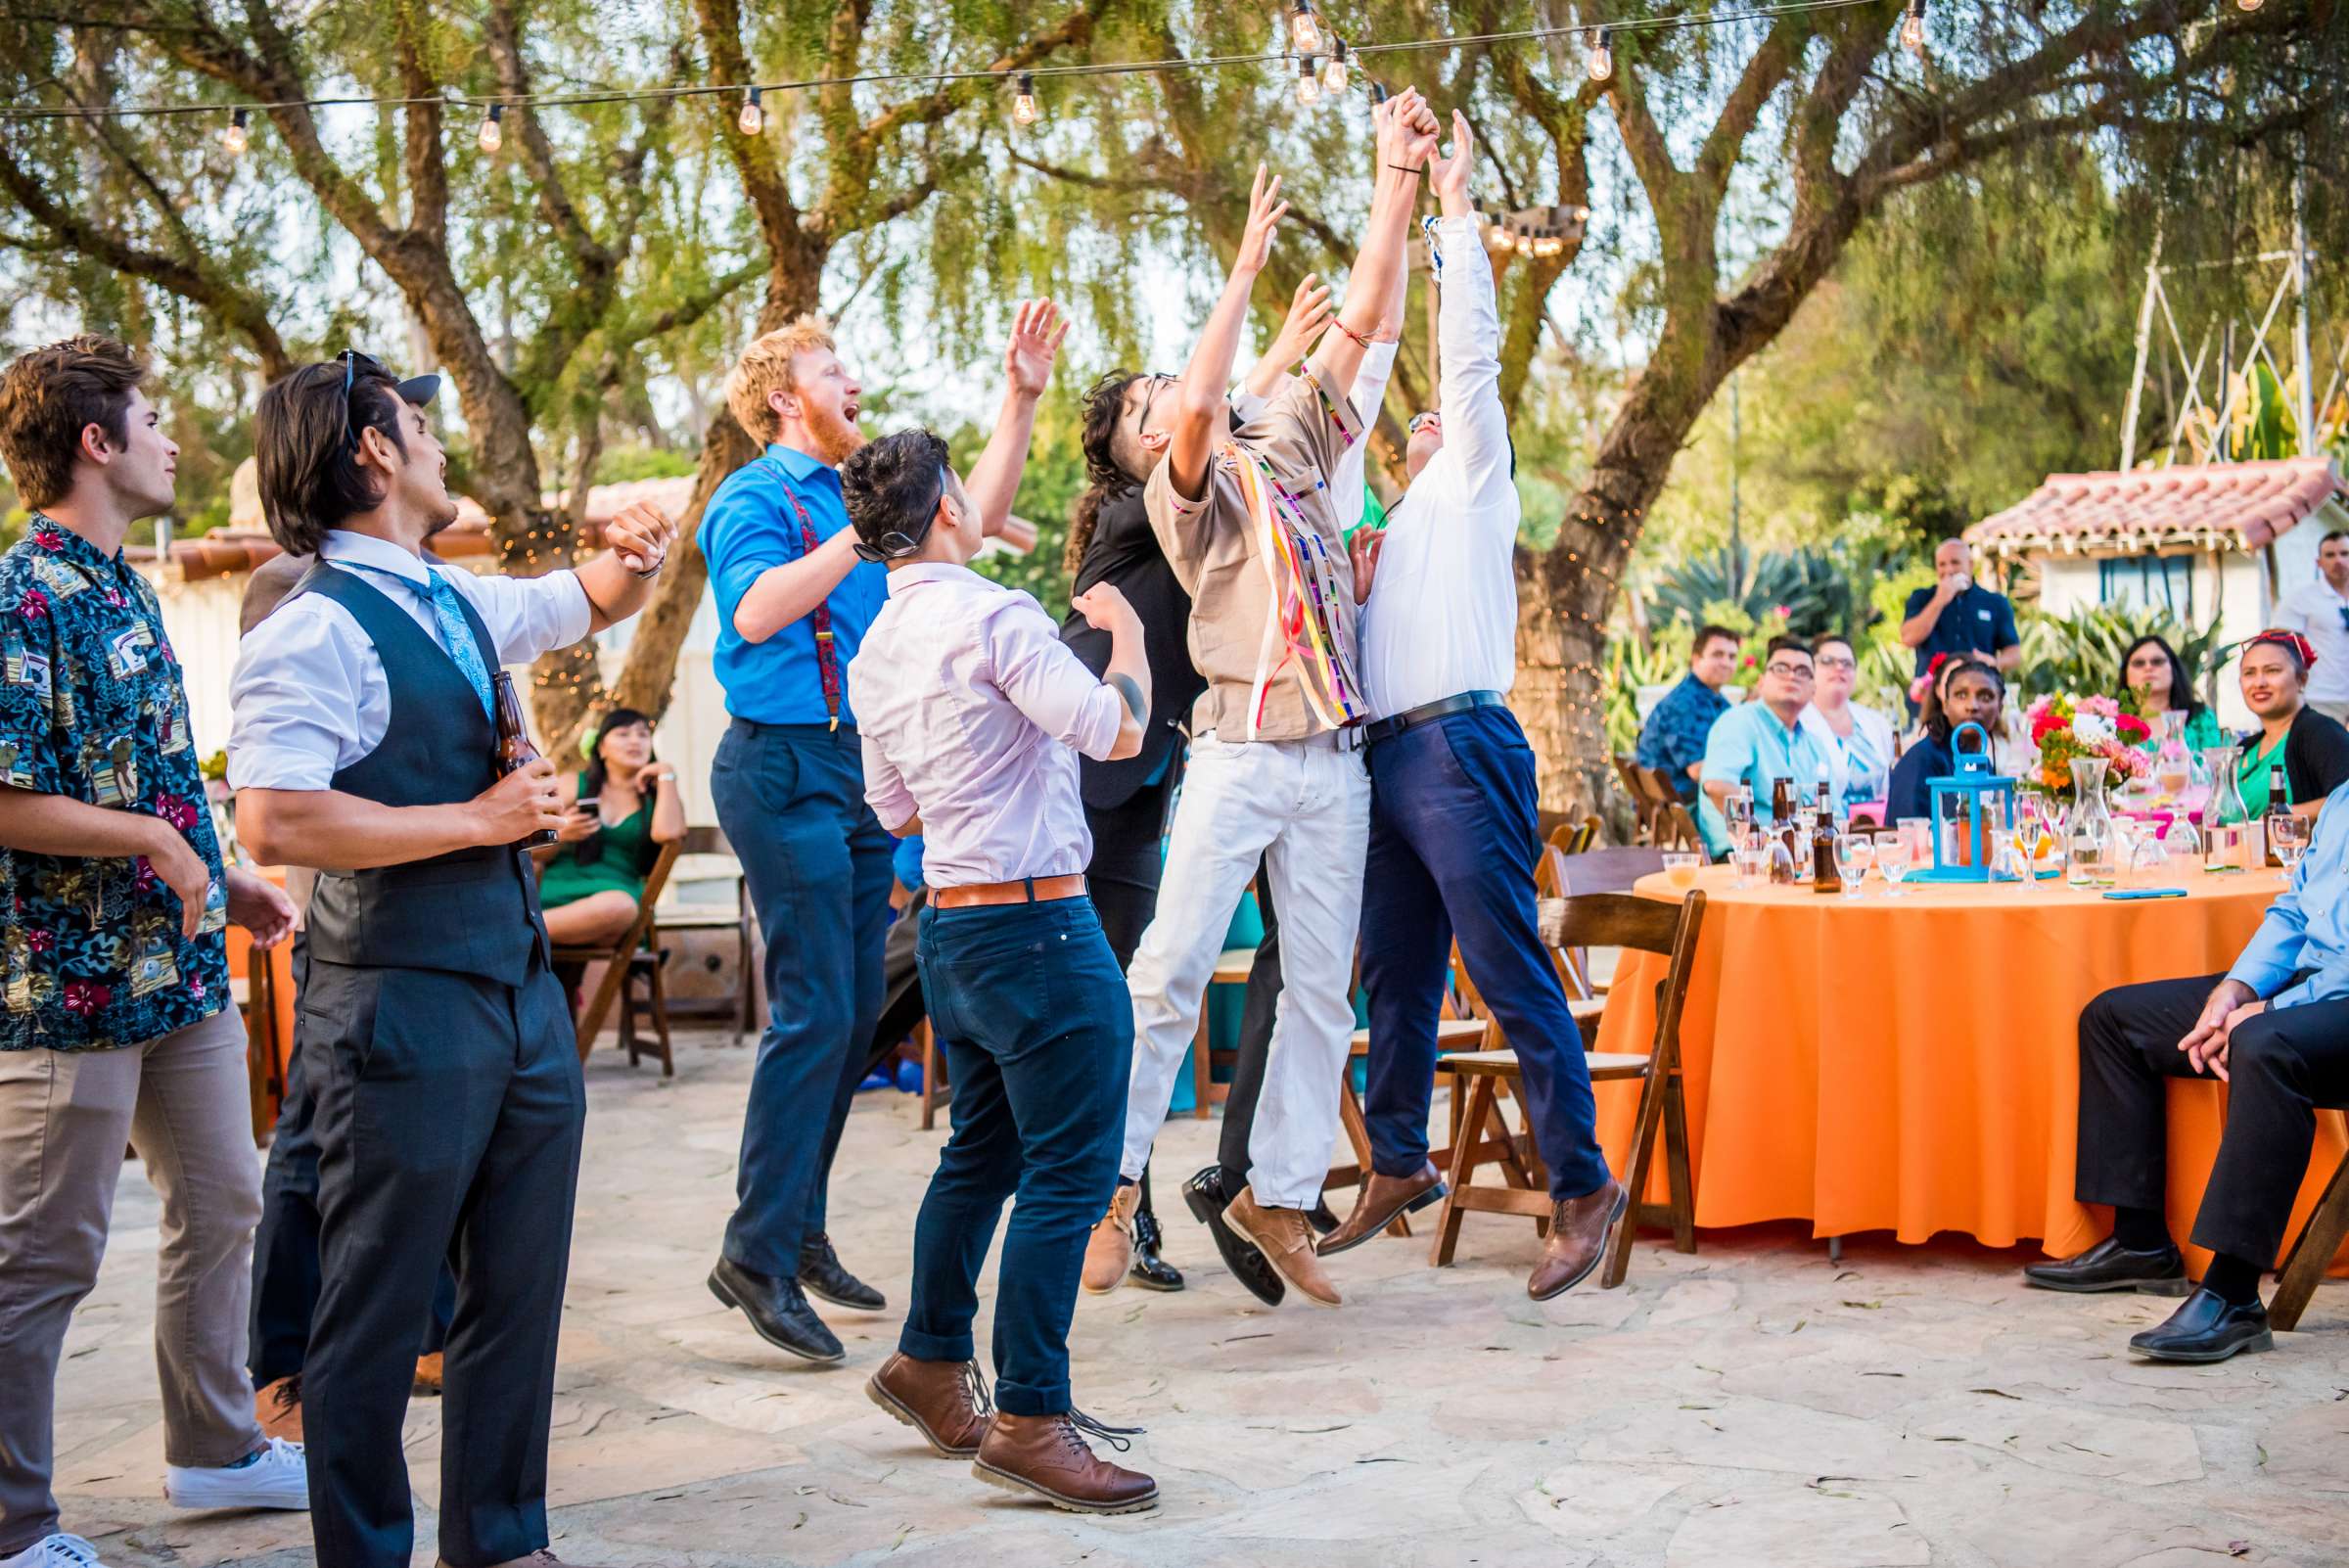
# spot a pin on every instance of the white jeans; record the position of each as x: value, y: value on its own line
x: 1306, y: 811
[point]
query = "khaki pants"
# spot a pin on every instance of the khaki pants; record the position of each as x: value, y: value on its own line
x: 182, y: 1101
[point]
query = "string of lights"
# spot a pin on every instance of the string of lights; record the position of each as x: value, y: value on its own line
x: 1327, y: 64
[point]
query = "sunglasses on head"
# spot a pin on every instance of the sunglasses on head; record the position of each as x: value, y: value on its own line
x: 352, y: 360
x: 895, y: 543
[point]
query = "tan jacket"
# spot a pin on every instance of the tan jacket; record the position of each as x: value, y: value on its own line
x: 1215, y: 549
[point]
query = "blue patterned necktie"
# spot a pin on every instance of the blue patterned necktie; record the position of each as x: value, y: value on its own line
x: 457, y: 637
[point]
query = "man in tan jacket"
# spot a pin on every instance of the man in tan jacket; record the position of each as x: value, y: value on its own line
x: 1251, y: 524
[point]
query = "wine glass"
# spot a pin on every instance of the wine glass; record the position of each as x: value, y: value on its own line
x: 1738, y: 813
x: 2289, y: 836
x: 1854, y: 853
x: 1892, y: 859
x: 2030, y: 829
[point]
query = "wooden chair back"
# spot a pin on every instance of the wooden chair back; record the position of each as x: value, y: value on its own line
x: 615, y: 957
x: 1643, y: 803
x: 2313, y: 1254
x: 1677, y: 829
x: 1575, y: 838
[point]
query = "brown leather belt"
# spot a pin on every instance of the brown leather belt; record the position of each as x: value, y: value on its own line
x: 1029, y: 889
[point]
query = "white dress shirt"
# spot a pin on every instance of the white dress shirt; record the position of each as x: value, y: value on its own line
x: 2315, y: 612
x: 1442, y: 613
x: 1368, y: 394
x: 309, y: 696
x: 968, y: 704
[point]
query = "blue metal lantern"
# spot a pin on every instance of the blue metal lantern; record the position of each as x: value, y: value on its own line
x: 1962, y: 810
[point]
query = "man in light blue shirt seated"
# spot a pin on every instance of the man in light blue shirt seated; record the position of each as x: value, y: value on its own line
x: 2276, y: 1029
x: 1762, y: 740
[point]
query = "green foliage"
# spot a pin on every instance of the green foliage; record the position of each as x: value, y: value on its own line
x: 621, y: 465
x: 1633, y: 664
x: 2081, y: 653
x: 1809, y: 590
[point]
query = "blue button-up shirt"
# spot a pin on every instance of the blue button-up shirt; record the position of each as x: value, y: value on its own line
x: 1673, y: 738
x: 2306, y: 929
x: 749, y: 525
x: 93, y: 708
x: 1977, y: 620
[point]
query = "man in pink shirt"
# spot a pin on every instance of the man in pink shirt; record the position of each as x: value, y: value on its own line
x: 972, y: 715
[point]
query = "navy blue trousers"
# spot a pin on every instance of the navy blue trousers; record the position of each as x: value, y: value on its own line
x: 285, y: 1247
x: 791, y: 798
x: 1037, y: 1029
x: 1453, y: 846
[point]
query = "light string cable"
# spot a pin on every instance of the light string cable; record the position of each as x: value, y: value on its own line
x: 1357, y: 52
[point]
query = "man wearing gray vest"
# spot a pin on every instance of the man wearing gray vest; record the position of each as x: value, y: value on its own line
x: 447, y: 1095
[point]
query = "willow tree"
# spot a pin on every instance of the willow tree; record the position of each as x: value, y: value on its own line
x: 1802, y: 125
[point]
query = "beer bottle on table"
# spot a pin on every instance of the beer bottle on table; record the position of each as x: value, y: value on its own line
x: 1825, y: 878
x: 514, y: 748
x: 1784, y: 855
x: 2277, y: 806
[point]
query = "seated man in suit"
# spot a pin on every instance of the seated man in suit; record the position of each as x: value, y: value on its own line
x: 2276, y: 1029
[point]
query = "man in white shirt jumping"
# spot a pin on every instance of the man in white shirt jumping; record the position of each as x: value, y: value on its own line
x: 1453, y: 835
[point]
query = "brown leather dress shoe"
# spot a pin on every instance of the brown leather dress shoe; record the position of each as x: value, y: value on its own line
x: 945, y: 1402
x: 1109, y: 1250
x: 1381, y: 1200
x: 1286, y: 1239
x: 428, y: 1374
x: 277, y: 1405
x: 1047, y: 1456
x: 1579, y: 1229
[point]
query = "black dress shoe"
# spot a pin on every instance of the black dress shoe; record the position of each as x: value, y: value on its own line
x: 1204, y: 1195
x: 777, y: 1311
x: 1150, y: 1270
x: 824, y: 1278
x: 1320, y: 1216
x: 2206, y: 1328
x: 2110, y: 1266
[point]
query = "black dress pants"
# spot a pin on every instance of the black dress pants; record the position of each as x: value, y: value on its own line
x: 448, y: 1117
x: 2282, y: 1066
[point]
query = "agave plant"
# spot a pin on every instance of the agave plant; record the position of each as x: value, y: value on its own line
x: 1809, y: 586
x: 2082, y: 651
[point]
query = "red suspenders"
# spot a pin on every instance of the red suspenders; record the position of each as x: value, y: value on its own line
x: 827, y: 662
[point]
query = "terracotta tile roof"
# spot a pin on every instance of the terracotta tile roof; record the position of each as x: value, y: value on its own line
x: 2211, y: 505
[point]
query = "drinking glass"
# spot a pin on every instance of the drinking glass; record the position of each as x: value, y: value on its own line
x: 2290, y: 836
x: 1680, y: 870
x: 1918, y: 832
x: 1892, y: 858
x: 1738, y: 813
x: 2030, y: 829
x: 1854, y: 853
x: 1752, y: 859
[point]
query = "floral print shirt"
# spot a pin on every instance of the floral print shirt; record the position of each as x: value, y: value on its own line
x: 92, y: 707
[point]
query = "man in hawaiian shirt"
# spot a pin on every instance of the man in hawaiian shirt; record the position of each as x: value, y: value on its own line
x: 115, y: 1023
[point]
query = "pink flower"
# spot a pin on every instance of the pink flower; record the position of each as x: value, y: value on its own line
x: 142, y: 878
x: 195, y: 987
x: 180, y: 814
x: 113, y: 596
x: 47, y: 536
x: 85, y: 997
x: 34, y: 604
x: 42, y: 940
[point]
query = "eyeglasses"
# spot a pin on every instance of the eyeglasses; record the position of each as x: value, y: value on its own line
x: 352, y: 360
x: 1421, y: 421
x: 1836, y: 661
x: 1789, y: 672
x: 1158, y: 383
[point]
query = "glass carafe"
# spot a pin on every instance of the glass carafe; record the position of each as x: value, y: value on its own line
x: 2173, y: 763
x: 2228, y: 836
x: 2090, y: 825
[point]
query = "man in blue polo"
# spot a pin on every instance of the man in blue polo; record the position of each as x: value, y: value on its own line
x: 1958, y: 617
x: 788, y: 781
x: 1761, y: 740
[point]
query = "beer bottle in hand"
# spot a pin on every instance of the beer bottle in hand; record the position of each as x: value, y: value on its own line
x: 514, y: 748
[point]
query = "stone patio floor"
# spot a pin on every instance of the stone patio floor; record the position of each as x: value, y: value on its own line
x: 1752, y: 1405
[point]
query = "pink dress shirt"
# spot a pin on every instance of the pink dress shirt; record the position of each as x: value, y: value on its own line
x: 968, y: 706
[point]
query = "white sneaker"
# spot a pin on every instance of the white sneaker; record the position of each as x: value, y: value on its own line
x: 277, y: 1477
x: 56, y: 1551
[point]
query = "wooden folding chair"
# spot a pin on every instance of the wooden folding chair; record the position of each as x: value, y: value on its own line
x: 619, y: 959
x: 741, y: 1005
x: 1575, y: 838
x: 1231, y: 969
x: 1451, y: 1034
x: 1635, y: 790
x: 1573, y: 964
x: 1676, y: 829
x: 1484, y: 1134
x: 2319, y: 1241
x: 935, y: 1090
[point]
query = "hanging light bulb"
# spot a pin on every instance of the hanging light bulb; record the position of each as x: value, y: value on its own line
x: 1023, y: 101
x: 1305, y: 31
x: 1333, y: 75
x: 1308, y: 81
x: 1913, y: 28
x: 1378, y: 94
x: 2247, y: 5
x: 492, y: 137
x: 1601, y: 62
x: 1523, y: 241
x: 234, y: 137
x: 753, y: 118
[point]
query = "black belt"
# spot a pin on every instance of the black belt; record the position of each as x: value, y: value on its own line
x: 1427, y: 713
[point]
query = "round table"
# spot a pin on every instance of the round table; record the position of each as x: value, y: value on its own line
x: 1911, y: 1064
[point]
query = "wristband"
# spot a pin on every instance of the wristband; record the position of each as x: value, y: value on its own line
x: 1407, y: 169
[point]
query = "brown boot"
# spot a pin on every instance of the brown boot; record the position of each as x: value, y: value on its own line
x: 1047, y: 1456
x: 277, y: 1405
x: 1579, y: 1229
x: 1286, y: 1239
x: 1109, y: 1251
x: 1382, y: 1199
x: 428, y: 1374
x: 945, y: 1402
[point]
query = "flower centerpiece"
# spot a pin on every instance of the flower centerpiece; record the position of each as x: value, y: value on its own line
x: 2066, y: 727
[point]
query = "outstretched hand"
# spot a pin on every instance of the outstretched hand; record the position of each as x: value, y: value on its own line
x: 1034, y: 344
x: 1309, y: 312
x: 1449, y: 176
x: 1265, y: 209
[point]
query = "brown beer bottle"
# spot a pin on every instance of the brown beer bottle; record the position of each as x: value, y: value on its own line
x: 2277, y: 806
x: 1825, y: 878
x: 514, y: 748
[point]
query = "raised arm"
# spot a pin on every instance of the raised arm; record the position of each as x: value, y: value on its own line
x: 1407, y: 136
x: 1468, y: 332
x: 1199, y: 398
x: 1027, y: 369
x: 1309, y: 313
x: 620, y: 580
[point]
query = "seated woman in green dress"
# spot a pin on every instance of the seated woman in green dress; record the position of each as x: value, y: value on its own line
x: 618, y: 814
x: 2155, y: 682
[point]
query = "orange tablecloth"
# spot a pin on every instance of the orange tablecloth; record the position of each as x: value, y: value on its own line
x: 1911, y: 1064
